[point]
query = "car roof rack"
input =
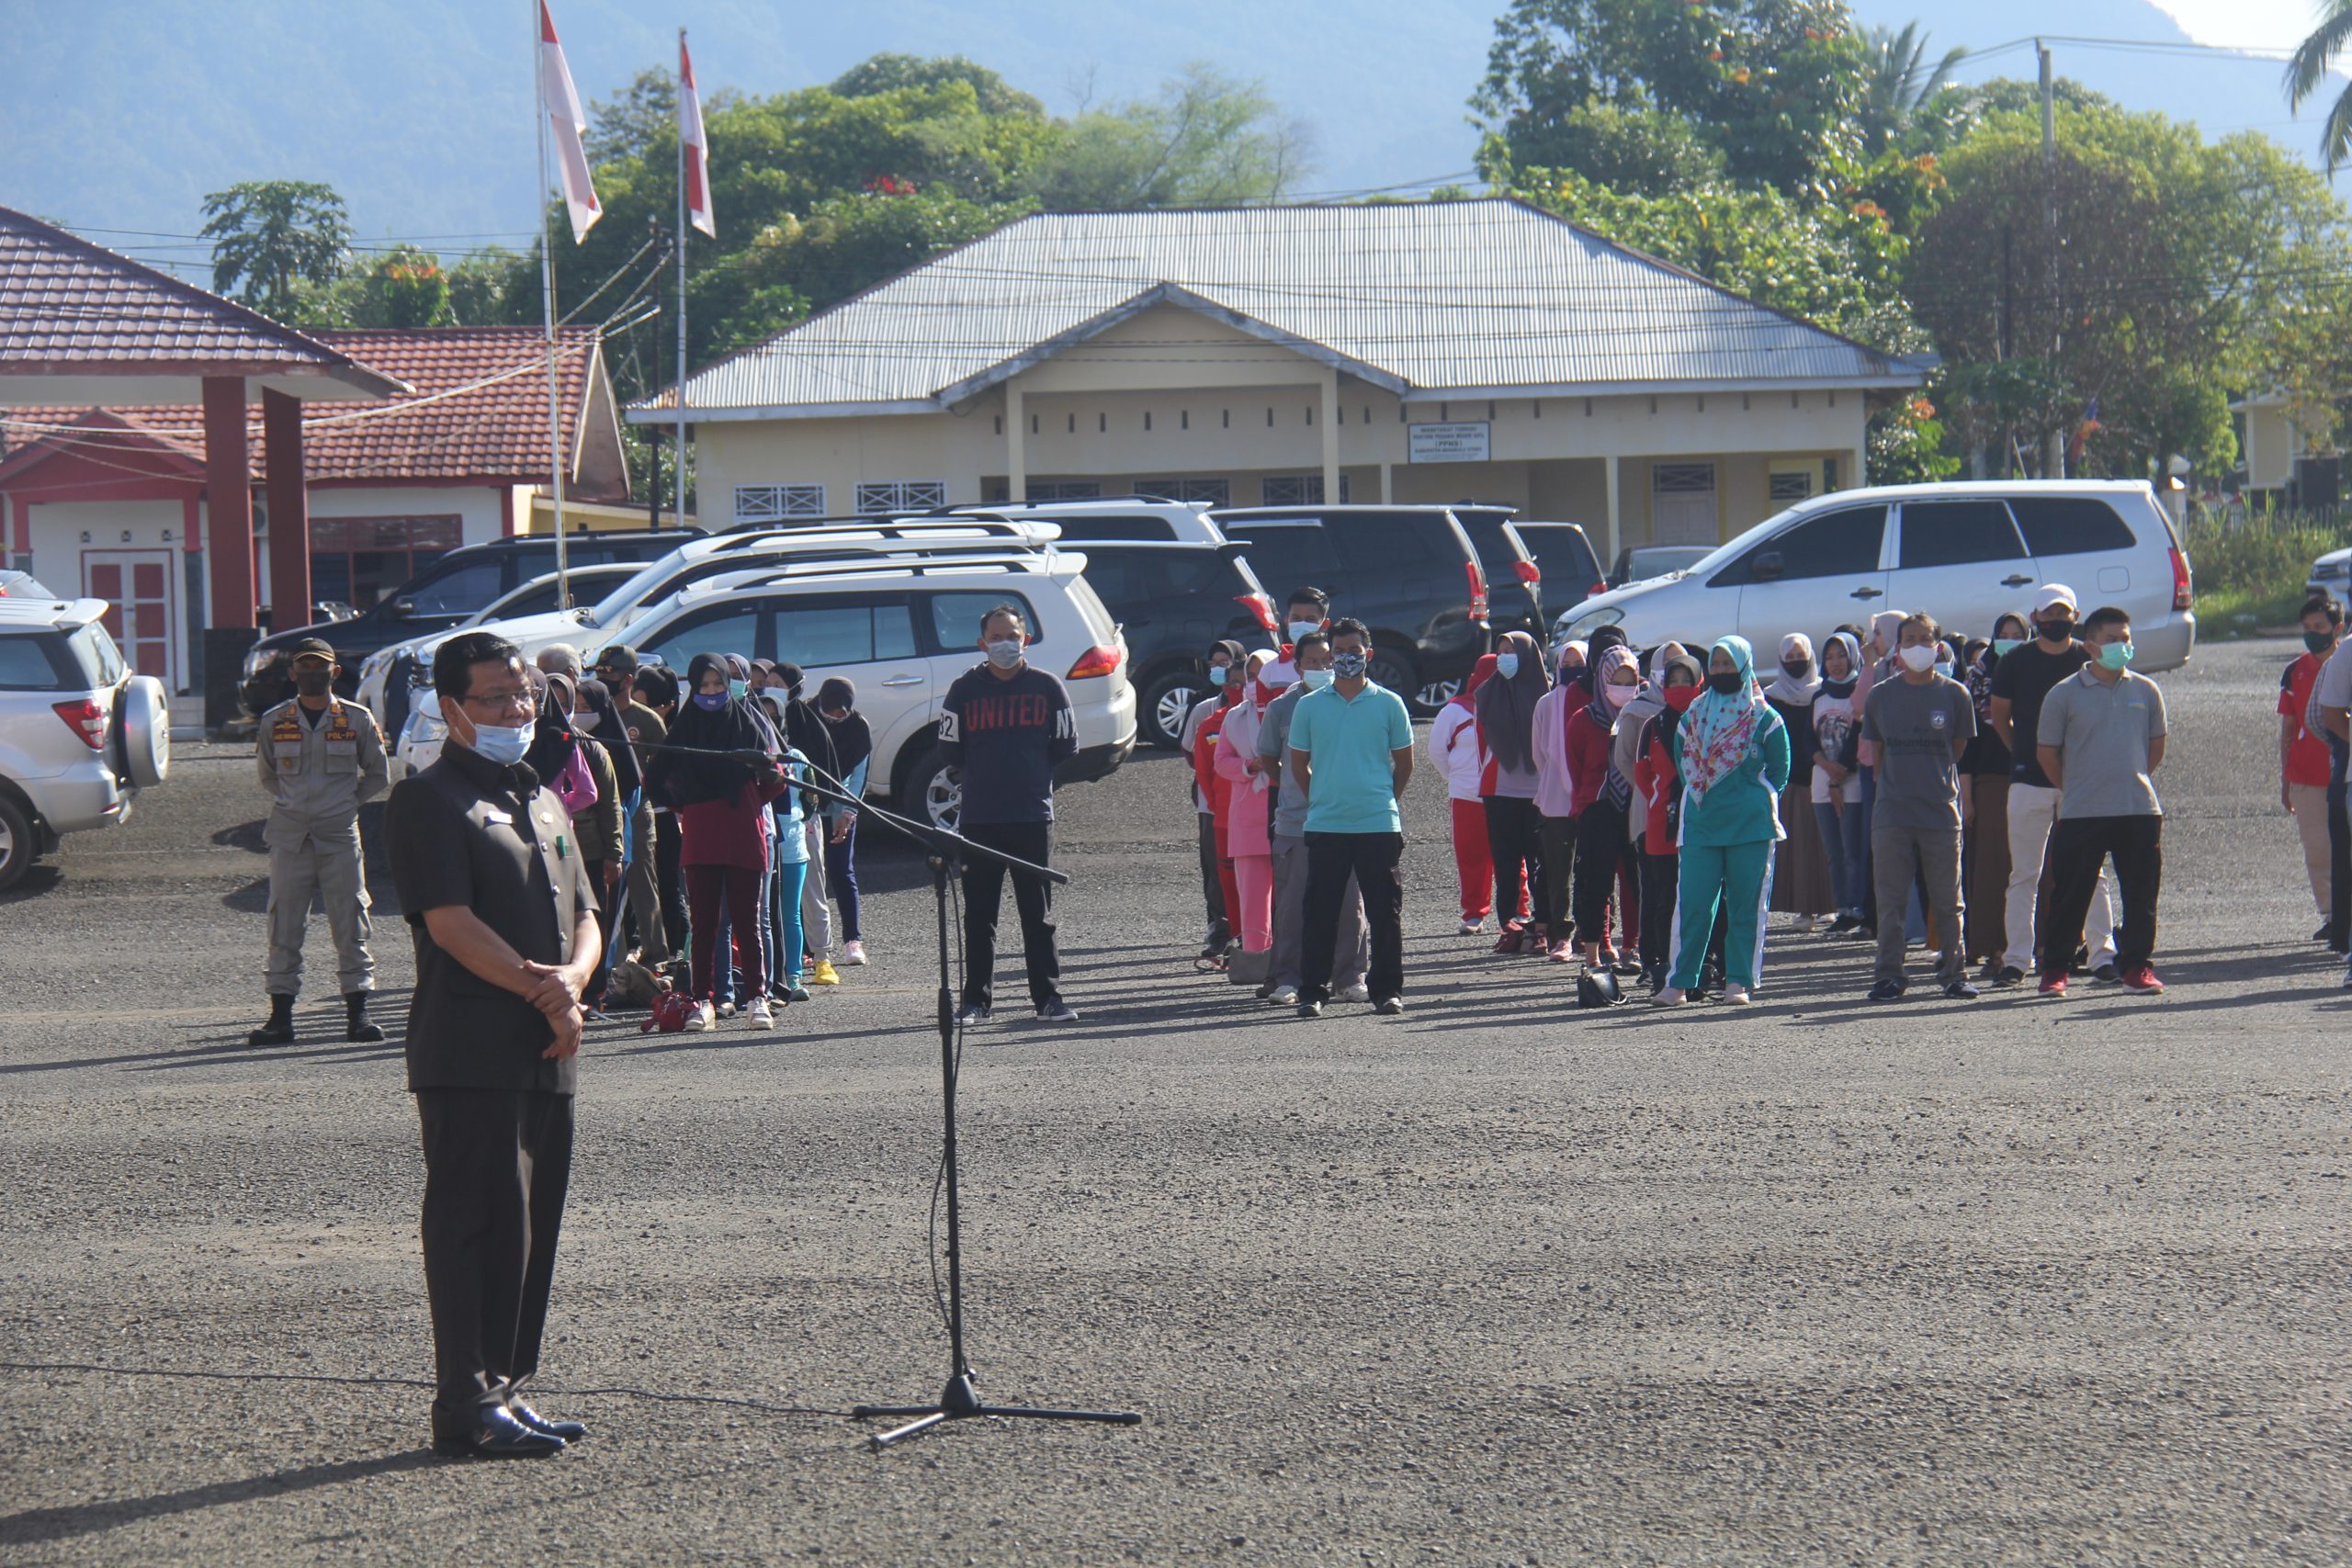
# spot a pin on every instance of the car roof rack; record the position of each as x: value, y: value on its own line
x: 830, y: 571
x: 1137, y: 498
x: 1003, y: 528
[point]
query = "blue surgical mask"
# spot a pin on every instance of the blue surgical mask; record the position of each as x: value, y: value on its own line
x: 1303, y: 628
x: 710, y: 702
x: 501, y: 745
x: 1316, y: 679
x: 1005, y: 652
x: 1506, y: 665
x: 2001, y: 646
x: 2114, y: 655
x: 1943, y: 668
x: 738, y: 690
x: 1349, y: 666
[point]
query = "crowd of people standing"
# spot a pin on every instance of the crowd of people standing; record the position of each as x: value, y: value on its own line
x: 1642, y: 812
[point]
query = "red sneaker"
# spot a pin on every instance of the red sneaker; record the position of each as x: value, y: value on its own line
x: 2054, y: 985
x: 2142, y: 979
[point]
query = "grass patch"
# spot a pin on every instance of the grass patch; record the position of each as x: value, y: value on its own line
x: 2250, y: 567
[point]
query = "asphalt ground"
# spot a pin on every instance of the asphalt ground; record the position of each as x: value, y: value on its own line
x: 1493, y: 1283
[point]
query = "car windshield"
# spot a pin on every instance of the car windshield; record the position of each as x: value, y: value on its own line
x: 95, y: 651
x: 1724, y: 553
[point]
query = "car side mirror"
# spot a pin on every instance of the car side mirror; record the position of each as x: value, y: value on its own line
x: 404, y: 608
x: 1767, y: 567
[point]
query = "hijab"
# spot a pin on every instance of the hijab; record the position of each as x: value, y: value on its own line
x: 1787, y: 689
x: 1719, y: 730
x: 1226, y: 692
x: 1648, y: 702
x: 1480, y: 673
x: 611, y: 733
x: 1254, y: 683
x: 553, y: 736
x: 689, y: 780
x: 1506, y: 707
x: 1846, y: 640
x: 1886, y: 630
x: 1612, y: 659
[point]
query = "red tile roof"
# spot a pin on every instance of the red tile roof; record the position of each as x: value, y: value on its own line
x: 480, y: 412
x: 67, y: 304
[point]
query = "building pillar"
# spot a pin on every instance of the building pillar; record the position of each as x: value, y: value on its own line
x: 1016, y: 445
x: 290, y: 510
x: 1330, y: 418
x: 228, y: 502
x: 1609, y: 549
x: 1858, y: 474
x: 1388, y: 483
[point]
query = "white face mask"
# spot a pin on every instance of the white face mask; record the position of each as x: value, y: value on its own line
x: 584, y: 722
x: 1917, y: 656
x: 1006, y: 653
x: 1303, y: 628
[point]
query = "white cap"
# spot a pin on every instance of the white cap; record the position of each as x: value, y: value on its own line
x: 2051, y: 594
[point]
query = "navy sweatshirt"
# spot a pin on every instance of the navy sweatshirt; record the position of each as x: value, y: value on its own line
x: 1007, y: 736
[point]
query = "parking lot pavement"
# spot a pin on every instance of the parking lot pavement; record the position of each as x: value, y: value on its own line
x: 1497, y: 1282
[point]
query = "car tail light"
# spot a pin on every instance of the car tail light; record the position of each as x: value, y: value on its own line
x: 1260, y: 606
x: 1100, y: 659
x: 2183, y: 594
x: 1529, y: 572
x: 1477, y: 590
x: 87, y: 720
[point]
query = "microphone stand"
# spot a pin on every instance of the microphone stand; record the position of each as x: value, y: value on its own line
x: 945, y: 852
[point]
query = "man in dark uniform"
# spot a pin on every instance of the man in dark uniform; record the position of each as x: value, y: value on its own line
x: 320, y: 758
x: 504, y: 919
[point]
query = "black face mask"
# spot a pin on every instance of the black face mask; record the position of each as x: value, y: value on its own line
x: 1728, y: 682
x: 1798, y: 669
x: 2059, y: 630
x: 314, y: 683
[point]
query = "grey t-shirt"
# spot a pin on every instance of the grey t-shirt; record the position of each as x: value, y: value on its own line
x: 1273, y: 739
x: 1914, y: 727
x: 2101, y: 734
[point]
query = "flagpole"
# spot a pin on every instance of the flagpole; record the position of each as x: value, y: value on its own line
x: 547, y: 293
x: 678, y: 448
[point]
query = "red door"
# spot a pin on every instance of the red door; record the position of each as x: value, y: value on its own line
x: 137, y: 584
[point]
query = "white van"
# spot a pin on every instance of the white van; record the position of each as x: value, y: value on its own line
x: 1962, y: 552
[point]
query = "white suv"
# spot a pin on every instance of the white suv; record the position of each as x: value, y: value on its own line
x: 80, y: 736
x: 1107, y: 517
x: 1963, y: 553
x: 901, y: 631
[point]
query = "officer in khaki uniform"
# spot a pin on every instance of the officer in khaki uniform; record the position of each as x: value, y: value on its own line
x: 319, y: 757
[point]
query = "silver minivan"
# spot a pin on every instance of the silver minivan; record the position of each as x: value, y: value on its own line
x: 1962, y: 552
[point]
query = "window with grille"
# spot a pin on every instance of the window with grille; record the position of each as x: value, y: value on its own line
x: 1682, y: 478
x: 1786, y: 487
x: 1292, y: 490
x: 901, y: 495
x: 772, y: 503
x: 1215, y: 492
x: 1065, y: 490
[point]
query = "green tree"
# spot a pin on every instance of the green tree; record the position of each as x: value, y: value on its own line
x: 1208, y: 139
x: 270, y: 236
x: 1775, y: 86
x: 893, y: 73
x: 2308, y: 69
x: 1901, y: 82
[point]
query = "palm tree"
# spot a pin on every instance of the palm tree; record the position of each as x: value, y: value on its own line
x: 2308, y: 66
x: 1901, y: 80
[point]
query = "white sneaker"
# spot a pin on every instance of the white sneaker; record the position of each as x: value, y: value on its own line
x: 700, y: 1019
x: 1805, y: 923
x: 1737, y: 994
x: 1287, y: 995
x: 852, y: 954
x: 726, y: 1009
x: 1471, y: 928
x: 761, y: 1015
x: 1358, y: 992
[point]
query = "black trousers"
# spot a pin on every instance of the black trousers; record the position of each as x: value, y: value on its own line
x: 497, y: 1163
x: 1373, y: 860
x: 1660, y: 876
x: 1600, y: 839
x: 1212, y: 884
x: 2339, y: 866
x: 2077, y: 847
x: 668, y: 843
x: 1514, y: 834
x: 1032, y: 897
x: 1556, y: 843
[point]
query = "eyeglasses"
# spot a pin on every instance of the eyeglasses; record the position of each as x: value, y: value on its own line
x: 513, y: 699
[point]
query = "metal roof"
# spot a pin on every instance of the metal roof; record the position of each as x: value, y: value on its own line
x: 1466, y: 299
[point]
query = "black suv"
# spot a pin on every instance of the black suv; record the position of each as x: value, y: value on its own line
x: 1409, y: 573
x: 448, y: 590
x: 1172, y: 600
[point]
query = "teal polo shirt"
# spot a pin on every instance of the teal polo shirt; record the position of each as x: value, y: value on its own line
x: 1347, y: 741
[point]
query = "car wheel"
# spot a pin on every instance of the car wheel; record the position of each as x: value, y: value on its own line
x: 1164, y: 702
x: 18, y: 846
x: 936, y: 792
x: 1437, y: 694
x: 1394, y: 671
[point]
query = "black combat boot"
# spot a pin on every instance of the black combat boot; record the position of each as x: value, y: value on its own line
x: 279, y: 1030
x: 355, y: 1023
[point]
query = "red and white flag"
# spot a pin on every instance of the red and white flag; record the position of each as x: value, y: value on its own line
x: 696, y: 149
x: 565, y: 123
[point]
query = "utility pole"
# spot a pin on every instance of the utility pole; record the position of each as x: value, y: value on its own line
x: 2053, y: 460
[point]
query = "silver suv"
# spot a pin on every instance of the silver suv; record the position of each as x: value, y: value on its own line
x: 80, y: 736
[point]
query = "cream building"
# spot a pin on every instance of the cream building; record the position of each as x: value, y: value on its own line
x: 1425, y: 352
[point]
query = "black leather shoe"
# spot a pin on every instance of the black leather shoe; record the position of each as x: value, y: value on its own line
x: 497, y: 1435
x: 569, y: 1431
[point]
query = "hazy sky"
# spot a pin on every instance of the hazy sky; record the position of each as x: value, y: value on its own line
x: 2243, y: 24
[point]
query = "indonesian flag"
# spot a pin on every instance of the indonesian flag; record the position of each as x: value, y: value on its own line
x: 696, y: 148
x: 565, y: 122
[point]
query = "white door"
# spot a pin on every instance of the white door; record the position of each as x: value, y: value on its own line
x: 137, y: 585
x: 1682, y: 504
x: 1816, y: 574
x: 1963, y: 562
